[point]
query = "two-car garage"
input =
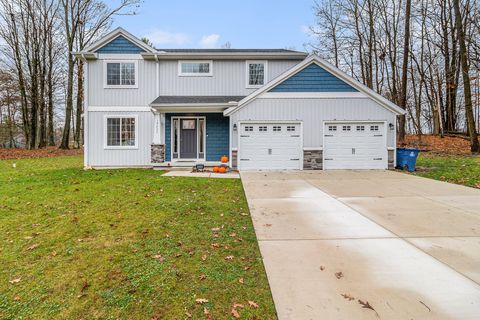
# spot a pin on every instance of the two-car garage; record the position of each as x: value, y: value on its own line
x: 279, y: 145
x: 313, y: 116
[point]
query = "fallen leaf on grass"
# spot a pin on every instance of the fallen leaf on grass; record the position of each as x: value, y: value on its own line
x: 205, y: 310
x: 252, y: 304
x: 201, y: 301
x: 234, y: 311
x: 202, y: 277
x: 16, y: 298
x: 158, y: 257
x: 339, y: 275
x: 229, y: 258
x: 348, y: 296
x: 16, y: 280
x: 204, y: 257
x: 216, y: 245
x: 33, y: 246
x: 188, y: 314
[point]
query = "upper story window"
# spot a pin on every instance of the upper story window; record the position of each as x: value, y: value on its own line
x: 195, y: 68
x: 120, y: 74
x: 256, y: 73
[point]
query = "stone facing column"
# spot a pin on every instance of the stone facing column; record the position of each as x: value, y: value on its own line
x: 234, y: 159
x: 391, y: 159
x: 158, y: 153
x: 312, y: 159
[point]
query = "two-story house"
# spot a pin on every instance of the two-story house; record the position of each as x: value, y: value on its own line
x: 264, y: 108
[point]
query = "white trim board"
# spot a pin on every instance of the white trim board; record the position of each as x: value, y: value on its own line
x: 311, y: 95
x: 118, y: 109
x: 328, y: 67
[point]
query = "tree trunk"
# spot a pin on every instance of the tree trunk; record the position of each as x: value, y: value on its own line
x: 78, y: 118
x: 474, y: 144
x: 406, y: 50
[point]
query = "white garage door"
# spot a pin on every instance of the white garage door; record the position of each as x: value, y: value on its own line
x: 355, y: 146
x: 270, y: 146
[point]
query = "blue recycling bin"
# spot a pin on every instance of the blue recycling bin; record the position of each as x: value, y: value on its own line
x: 407, y: 157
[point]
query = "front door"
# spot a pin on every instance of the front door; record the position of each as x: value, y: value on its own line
x: 188, y: 138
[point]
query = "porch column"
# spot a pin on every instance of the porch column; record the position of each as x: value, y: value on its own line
x: 158, y: 143
x: 157, y: 128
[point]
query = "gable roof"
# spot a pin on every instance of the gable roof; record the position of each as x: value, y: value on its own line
x: 111, y: 36
x: 313, y: 59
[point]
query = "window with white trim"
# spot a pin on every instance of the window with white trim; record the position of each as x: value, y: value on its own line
x: 256, y: 73
x: 195, y: 68
x: 360, y: 128
x: 346, y: 128
x: 121, y: 132
x: 290, y: 128
x: 121, y: 74
x: 373, y: 128
x: 332, y: 128
x: 262, y: 128
x: 277, y: 128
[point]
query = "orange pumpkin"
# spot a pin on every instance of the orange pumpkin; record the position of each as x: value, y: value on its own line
x: 222, y: 170
x: 215, y: 169
x: 224, y: 159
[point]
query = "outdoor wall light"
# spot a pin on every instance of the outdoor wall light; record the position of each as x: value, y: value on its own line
x: 234, y: 127
x: 391, y: 126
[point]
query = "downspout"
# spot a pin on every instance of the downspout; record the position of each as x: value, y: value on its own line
x: 85, y: 115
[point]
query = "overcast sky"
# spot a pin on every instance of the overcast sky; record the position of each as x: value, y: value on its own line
x: 211, y: 23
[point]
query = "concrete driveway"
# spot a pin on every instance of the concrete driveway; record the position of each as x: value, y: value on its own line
x: 333, y: 241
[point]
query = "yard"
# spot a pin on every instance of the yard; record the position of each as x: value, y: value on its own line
x: 446, y: 159
x: 117, y: 244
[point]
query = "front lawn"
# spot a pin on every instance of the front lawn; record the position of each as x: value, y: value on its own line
x: 457, y: 169
x: 125, y: 244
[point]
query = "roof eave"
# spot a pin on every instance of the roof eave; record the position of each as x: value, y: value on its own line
x: 223, y: 55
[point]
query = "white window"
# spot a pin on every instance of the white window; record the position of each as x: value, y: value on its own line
x: 277, y: 128
x: 262, y: 128
x: 346, y: 128
x: 256, y: 73
x: 121, y: 132
x: 332, y: 128
x: 373, y: 128
x: 360, y: 128
x: 195, y: 68
x: 120, y: 74
x: 248, y: 128
x: 290, y: 128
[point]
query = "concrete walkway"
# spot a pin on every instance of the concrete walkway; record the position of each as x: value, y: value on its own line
x: 333, y: 241
x: 205, y: 174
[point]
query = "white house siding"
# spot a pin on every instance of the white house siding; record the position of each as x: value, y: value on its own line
x: 228, y: 78
x: 312, y: 112
x: 100, y: 157
x: 141, y: 96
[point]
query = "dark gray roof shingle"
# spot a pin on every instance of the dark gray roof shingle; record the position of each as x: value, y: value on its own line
x: 230, y: 51
x: 195, y: 99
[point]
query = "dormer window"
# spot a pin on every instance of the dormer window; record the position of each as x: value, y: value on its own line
x: 195, y: 68
x: 256, y: 73
x: 120, y: 74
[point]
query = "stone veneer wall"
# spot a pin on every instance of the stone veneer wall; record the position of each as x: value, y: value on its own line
x: 312, y: 159
x: 391, y: 159
x: 234, y: 159
x: 158, y: 153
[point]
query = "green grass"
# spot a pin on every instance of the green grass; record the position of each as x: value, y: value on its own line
x: 464, y: 170
x: 124, y: 244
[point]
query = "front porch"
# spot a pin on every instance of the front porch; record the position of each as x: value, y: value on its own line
x: 191, y: 130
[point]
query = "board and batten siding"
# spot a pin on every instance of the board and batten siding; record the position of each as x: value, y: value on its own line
x: 312, y: 112
x: 228, y: 78
x: 101, y: 157
x: 141, y: 96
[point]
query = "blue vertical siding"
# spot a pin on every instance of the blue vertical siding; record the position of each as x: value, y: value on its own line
x: 217, y: 129
x: 120, y: 45
x: 313, y: 78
